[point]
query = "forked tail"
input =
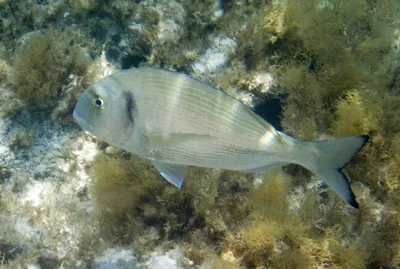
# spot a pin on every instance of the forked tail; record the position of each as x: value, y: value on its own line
x: 331, y: 157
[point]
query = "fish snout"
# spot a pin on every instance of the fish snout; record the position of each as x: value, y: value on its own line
x: 81, y: 113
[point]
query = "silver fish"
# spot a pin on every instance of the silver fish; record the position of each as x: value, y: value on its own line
x: 175, y: 121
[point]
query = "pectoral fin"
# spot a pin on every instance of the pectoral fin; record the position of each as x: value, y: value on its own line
x: 162, y: 140
x: 171, y: 172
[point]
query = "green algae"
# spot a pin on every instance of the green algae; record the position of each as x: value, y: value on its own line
x: 159, y: 213
x: 43, y: 66
x: 334, y: 62
x: 21, y: 138
x: 336, y: 65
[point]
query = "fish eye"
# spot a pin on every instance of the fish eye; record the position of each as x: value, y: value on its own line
x: 98, y: 102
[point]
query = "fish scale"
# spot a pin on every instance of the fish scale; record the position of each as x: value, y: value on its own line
x: 208, y: 104
x: 214, y: 156
x: 218, y: 112
x: 214, y: 120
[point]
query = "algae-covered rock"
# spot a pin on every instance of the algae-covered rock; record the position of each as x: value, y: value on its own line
x: 333, y: 66
x: 4, y: 174
x: 3, y: 70
x: 9, y: 252
x: 42, y: 66
x: 21, y: 138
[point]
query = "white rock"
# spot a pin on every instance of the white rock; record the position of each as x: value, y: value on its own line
x: 87, y: 153
x: 116, y: 259
x: 168, y: 30
x: 263, y: 81
x: 216, y: 56
x: 217, y: 14
x: 199, y: 68
x: 36, y: 191
x: 27, y: 231
x: 171, y: 20
x: 163, y: 261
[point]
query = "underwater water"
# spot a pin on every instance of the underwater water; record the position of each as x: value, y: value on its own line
x: 315, y: 70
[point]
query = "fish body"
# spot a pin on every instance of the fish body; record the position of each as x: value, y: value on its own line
x: 175, y: 121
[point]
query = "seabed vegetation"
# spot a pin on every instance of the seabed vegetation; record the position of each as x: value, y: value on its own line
x: 67, y: 198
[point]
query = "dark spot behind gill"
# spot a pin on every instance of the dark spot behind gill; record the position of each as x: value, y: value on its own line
x: 130, y: 106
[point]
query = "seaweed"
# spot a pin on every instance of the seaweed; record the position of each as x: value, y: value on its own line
x: 334, y: 63
x: 21, y: 138
x: 3, y: 70
x: 133, y: 200
x: 198, y: 19
x: 335, y: 67
x: 11, y: 107
x: 302, y: 103
x: 42, y: 67
x: 4, y: 174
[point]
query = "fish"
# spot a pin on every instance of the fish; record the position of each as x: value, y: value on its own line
x: 176, y: 121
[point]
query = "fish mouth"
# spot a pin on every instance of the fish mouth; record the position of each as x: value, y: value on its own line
x: 82, y: 122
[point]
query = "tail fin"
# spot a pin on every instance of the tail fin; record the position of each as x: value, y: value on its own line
x: 333, y: 156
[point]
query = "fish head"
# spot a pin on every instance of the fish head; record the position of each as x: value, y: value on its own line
x: 98, y: 108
